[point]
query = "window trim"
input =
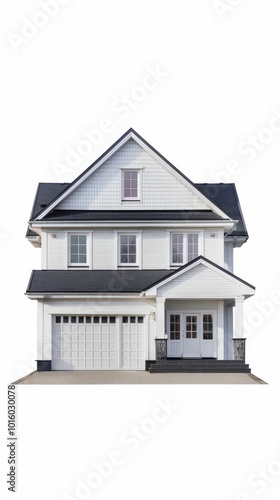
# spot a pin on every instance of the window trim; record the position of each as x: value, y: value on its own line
x: 139, y: 184
x: 185, y: 246
x: 78, y: 264
x: 138, y: 262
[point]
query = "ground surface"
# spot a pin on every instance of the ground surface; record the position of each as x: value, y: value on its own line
x: 136, y: 377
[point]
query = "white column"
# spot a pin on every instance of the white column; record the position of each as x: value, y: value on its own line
x: 239, y: 317
x: 160, y: 318
x: 40, y: 329
x: 221, y: 350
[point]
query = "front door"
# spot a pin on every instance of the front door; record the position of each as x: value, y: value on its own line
x: 191, y: 336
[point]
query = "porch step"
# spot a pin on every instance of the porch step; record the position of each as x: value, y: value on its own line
x: 199, y: 365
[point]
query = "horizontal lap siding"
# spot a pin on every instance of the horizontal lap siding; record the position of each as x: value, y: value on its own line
x: 155, y: 250
x: 104, y: 250
x: 161, y: 190
x: 229, y: 256
x: 57, y: 250
x: 214, y: 245
x: 201, y: 282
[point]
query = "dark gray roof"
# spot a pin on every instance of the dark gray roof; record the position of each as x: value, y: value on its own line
x: 85, y: 281
x: 131, y: 215
x: 46, y: 192
x: 107, y: 281
x: 225, y: 197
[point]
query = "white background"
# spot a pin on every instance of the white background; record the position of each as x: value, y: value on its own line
x: 221, y: 85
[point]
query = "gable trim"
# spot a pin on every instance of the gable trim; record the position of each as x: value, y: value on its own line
x: 190, y: 265
x: 130, y: 134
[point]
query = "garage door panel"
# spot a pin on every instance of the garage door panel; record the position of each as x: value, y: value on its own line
x: 84, y: 342
x: 133, y: 343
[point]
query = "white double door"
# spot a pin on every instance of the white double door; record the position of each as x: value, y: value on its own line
x: 191, y: 335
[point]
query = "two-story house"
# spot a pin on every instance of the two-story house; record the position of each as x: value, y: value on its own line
x: 133, y: 251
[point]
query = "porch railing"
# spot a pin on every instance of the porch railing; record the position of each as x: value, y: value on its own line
x: 239, y: 349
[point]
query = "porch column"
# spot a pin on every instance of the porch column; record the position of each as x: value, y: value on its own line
x: 160, y: 318
x: 239, y: 317
x: 221, y: 349
x: 238, y: 339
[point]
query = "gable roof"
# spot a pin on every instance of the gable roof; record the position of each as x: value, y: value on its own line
x: 195, y: 262
x: 130, y: 134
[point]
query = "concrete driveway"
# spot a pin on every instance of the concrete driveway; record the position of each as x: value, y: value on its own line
x: 135, y: 377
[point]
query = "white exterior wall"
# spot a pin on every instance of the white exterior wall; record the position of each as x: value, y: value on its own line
x: 56, y: 250
x: 90, y: 307
x: 160, y: 188
x: 155, y: 249
x: 214, y: 245
x: 104, y: 248
x: 201, y: 282
x: 229, y: 256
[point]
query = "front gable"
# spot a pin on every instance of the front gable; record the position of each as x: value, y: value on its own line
x: 201, y: 279
x: 162, y: 186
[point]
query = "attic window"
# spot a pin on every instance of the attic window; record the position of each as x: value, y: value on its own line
x: 130, y: 185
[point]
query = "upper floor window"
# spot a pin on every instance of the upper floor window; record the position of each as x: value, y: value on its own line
x: 78, y: 253
x: 184, y: 247
x: 129, y: 250
x: 131, y: 185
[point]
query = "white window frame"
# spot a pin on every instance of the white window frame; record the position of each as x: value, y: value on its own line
x: 139, y: 184
x: 185, y: 246
x: 138, y: 249
x: 77, y: 264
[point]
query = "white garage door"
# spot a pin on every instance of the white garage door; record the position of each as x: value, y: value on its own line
x: 85, y: 343
x: 133, y: 352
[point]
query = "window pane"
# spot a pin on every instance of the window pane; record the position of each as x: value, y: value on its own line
x: 58, y: 319
x: 65, y: 319
x: 125, y: 319
x: 192, y: 246
x: 96, y: 319
x: 132, y: 319
x: 88, y: 319
x: 130, y: 184
x: 140, y: 319
x: 177, y: 248
x: 73, y: 319
x: 128, y: 249
x: 81, y: 319
x: 112, y: 319
x: 104, y: 319
x: 78, y: 249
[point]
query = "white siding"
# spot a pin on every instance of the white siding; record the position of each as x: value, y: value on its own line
x: 191, y: 305
x: 160, y: 190
x: 155, y: 249
x: 229, y: 256
x: 56, y: 250
x: 214, y: 245
x: 201, y: 282
x: 104, y: 250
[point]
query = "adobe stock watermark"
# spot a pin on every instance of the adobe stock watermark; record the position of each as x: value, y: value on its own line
x: 224, y: 7
x: 250, y: 148
x: 48, y: 9
x: 131, y: 440
x: 263, y: 309
x: 120, y: 108
x: 260, y: 481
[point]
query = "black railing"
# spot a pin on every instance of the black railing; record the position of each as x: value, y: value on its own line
x: 161, y: 348
x: 239, y: 349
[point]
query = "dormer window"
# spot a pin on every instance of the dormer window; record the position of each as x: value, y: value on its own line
x: 131, y: 185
